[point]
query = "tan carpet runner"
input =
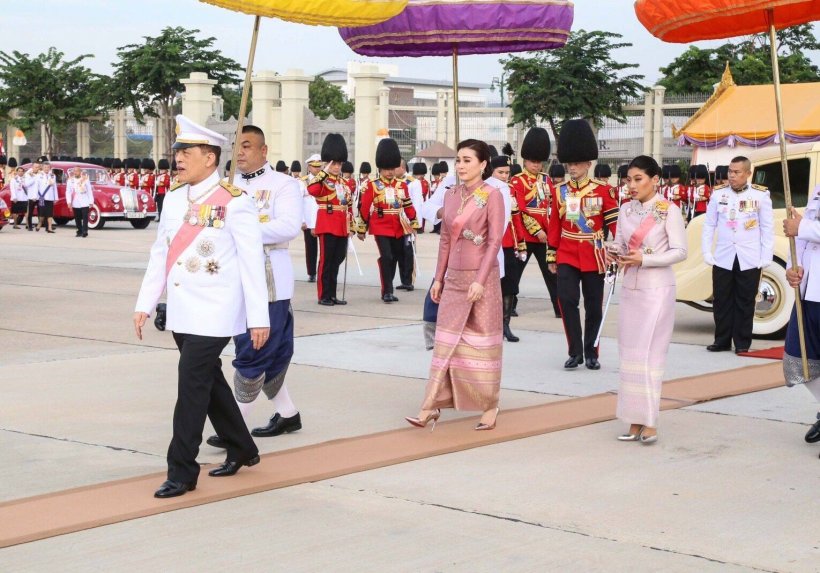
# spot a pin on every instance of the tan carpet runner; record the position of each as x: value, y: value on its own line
x: 40, y: 517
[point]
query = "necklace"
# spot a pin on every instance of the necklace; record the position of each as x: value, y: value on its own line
x: 197, y: 198
x: 465, y: 199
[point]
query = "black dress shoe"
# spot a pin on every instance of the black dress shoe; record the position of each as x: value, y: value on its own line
x: 718, y: 348
x: 408, y: 288
x: 174, y: 488
x: 335, y: 300
x: 513, y: 313
x: 388, y: 298
x: 593, y: 364
x: 311, y: 278
x: 326, y: 302
x: 741, y: 350
x: 574, y: 362
x: 813, y: 435
x: 229, y: 468
x: 216, y: 442
x: 278, y: 425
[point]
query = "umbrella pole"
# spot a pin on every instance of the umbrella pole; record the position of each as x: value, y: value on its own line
x: 781, y: 132
x: 243, y: 104
x: 455, y: 92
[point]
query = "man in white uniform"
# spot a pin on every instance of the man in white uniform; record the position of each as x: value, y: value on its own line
x: 32, y: 181
x: 208, y: 257
x: 80, y: 196
x: 310, y: 210
x: 278, y: 201
x: 805, y: 273
x: 742, y: 215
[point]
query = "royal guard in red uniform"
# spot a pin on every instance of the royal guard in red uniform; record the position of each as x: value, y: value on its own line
x: 419, y: 189
x: 583, y: 209
x: 347, y: 176
x: 333, y: 220
x: 386, y: 211
x: 557, y: 174
x: 132, y: 176
x: 163, y: 184
x: 699, y: 190
x: 533, y: 194
x: 3, y: 163
x: 623, y: 188
x: 675, y: 192
x: 117, y: 174
x: 148, y: 178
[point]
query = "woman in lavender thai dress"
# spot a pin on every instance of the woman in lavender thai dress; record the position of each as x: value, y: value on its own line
x: 650, y: 239
x: 465, y: 373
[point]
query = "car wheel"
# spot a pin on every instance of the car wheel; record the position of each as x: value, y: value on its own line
x: 61, y: 220
x: 95, y: 221
x: 140, y: 223
x: 775, y: 302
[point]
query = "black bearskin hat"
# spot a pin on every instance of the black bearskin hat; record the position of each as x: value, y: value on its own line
x: 493, y: 151
x: 576, y: 143
x: 622, y: 171
x: 515, y: 169
x: 12, y: 162
x: 674, y: 172
x: 557, y: 171
x: 435, y: 169
x: 388, y: 155
x: 173, y: 165
x: 148, y: 163
x: 334, y: 148
x: 722, y: 172
x: 365, y: 168
x: 665, y: 171
x: 347, y: 167
x: 420, y: 168
x: 281, y: 167
x: 3, y: 161
x: 163, y: 164
x: 536, y: 145
x: 295, y: 167
x: 698, y: 172
x: 443, y: 167
x: 603, y: 171
x: 116, y: 163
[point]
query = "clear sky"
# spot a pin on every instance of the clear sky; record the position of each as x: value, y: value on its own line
x: 98, y: 27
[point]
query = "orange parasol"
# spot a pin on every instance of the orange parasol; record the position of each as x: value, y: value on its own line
x: 684, y: 21
x: 314, y: 12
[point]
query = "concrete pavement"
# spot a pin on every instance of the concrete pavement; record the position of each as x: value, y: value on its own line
x: 730, y: 486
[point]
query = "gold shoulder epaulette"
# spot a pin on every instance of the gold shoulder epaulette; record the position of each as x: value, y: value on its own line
x: 598, y: 182
x: 724, y: 186
x: 760, y: 187
x: 304, y: 177
x: 231, y: 188
x: 176, y: 186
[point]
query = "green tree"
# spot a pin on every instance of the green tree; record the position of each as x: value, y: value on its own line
x: 581, y: 79
x: 697, y: 70
x: 231, y: 98
x: 48, y: 90
x: 327, y: 99
x: 147, y: 76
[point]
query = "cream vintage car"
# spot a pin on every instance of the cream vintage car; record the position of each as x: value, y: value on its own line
x: 694, y: 277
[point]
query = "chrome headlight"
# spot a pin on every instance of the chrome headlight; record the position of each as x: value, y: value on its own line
x: 144, y: 198
x: 115, y: 198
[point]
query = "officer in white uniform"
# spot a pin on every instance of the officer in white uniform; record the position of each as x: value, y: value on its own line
x: 806, y: 274
x: 278, y: 199
x: 208, y: 256
x: 79, y: 194
x: 310, y: 210
x: 32, y: 181
x: 742, y: 215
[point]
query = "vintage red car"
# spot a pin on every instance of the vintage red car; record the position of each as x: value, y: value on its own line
x: 111, y: 202
x: 5, y: 212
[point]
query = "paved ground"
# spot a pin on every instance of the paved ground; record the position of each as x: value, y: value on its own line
x: 731, y: 486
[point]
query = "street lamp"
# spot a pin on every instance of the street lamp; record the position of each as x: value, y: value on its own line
x: 499, y: 83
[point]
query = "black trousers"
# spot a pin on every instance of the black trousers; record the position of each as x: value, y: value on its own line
x: 311, y: 251
x: 734, y: 304
x: 391, y: 250
x: 539, y: 251
x: 571, y: 282
x: 203, y: 391
x: 159, y: 199
x: 513, y: 267
x: 332, y: 254
x: 81, y: 220
x: 406, y: 262
x: 32, y: 205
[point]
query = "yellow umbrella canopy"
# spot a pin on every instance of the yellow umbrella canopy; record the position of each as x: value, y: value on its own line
x: 318, y: 12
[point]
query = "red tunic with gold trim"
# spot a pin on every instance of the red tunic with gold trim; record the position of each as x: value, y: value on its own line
x: 533, y: 193
x: 386, y: 209
x: 132, y: 180
x: 147, y: 183
x: 425, y: 188
x: 351, y: 184
x: 119, y: 178
x: 580, y: 210
x: 333, y: 197
x: 163, y: 183
x: 701, y: 195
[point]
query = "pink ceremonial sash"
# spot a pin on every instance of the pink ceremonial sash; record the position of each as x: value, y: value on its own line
x: 636, y: 240
x: 187, y: 232
x: 461, y: 220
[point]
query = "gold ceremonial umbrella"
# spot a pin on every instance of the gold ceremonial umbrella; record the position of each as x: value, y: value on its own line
x: 683, y: 21
x: 314, y: 12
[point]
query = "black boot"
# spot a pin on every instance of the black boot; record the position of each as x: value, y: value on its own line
x: 514, y: 311
x: 508, y: 304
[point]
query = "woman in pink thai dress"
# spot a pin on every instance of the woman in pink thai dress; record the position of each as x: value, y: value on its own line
x: 650, y: 239
x: 465, y: 373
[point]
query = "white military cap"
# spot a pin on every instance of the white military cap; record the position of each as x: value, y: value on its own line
x: 190, y: 134
x: 314, y: 160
